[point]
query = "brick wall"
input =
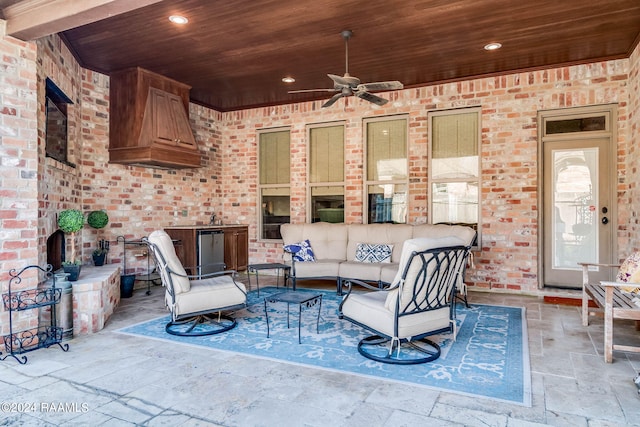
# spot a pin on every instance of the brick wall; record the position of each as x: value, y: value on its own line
x: 139, y: 200
x: 18, y: 169
x: 630, y: 152
x: 509, y: 156
x: 59, y: 185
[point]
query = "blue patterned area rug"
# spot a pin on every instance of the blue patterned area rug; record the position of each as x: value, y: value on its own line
x: 489, y: 358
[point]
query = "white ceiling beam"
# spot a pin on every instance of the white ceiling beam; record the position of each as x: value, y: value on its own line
x: 32, y: 19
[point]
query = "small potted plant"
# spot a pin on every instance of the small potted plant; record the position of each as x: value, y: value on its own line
x: 99, y: 255
x: 98, y: 220
x: 71, y: 221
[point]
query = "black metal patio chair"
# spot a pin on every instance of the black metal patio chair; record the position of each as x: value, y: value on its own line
x: 419, y: 303
x: 199, y: 305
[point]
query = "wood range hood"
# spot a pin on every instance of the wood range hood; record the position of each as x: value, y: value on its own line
x: 149, y: 121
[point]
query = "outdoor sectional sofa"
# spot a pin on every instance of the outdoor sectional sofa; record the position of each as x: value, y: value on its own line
x: 366, y: 252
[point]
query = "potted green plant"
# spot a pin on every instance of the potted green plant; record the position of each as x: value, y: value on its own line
x: 98, y: 219
x: 71, y: 221
x: 99, y: 255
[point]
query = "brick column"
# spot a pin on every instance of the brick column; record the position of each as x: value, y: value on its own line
x: 18, y: 168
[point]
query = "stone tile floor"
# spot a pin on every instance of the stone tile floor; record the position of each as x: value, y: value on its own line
x: 113, y: 379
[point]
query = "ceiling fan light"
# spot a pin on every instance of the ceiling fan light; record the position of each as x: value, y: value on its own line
x: 492, y: 46
x: 288, y: 79
x: 178, y: 19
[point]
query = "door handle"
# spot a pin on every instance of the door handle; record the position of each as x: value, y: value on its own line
x: 605, y: 220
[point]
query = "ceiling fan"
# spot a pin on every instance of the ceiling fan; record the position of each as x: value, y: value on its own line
x: 348, y: 85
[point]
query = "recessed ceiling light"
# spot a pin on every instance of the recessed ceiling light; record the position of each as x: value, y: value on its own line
x: 177, y: 19
x: 288, y: 79
x: 492, y: 46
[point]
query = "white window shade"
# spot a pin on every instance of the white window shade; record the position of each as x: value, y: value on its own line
x: 387, y: 150
x: 326, y: 154
x: 454, y: 147
x: 275, y: 159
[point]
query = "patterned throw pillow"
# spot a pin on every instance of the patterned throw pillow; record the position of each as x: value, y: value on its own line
x: 369, y: 252
x: 301, y: 251
x: 629, y: 272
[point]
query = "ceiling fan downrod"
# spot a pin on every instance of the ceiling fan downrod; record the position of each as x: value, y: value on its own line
x: 346, y: 35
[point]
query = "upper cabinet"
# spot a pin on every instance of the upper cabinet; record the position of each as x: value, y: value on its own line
x: 149, y: 121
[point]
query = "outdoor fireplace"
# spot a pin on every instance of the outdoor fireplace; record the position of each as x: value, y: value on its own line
x: 56, y: 249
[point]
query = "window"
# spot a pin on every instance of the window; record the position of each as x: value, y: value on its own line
x: 326, y: 173
x: 56, y: 122
x: 274, y: 161
x: 454, y: 172
x: 387, y: 179
x: 582, y: 124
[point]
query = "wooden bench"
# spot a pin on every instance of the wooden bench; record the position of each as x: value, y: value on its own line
x: 613, y: 303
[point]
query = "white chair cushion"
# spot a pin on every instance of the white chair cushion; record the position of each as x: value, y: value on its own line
x: 370, y: 309
x: 163, y: 241
x: 209, y: 294
x: 410, y: 246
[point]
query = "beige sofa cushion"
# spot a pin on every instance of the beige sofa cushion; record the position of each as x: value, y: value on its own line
x: 335, y: 246
x: 328, y: 241
x: 436, y: 231
x: 388, y: 272
x: 394, y: 234
x: 319, y: 269
x: 366, y: 271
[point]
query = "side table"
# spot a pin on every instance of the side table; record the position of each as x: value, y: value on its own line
x: 303, y: 299
x: 255, y: 268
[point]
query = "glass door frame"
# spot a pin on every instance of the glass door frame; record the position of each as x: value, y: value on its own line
x: 608, y: 132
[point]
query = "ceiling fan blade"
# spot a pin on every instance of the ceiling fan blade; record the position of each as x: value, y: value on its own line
x: 371, y: 97
x: 311, y: 90
x: 391, y: 85
x: 333, y: 99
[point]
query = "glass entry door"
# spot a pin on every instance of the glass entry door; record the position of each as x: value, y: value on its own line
x: 578, y: 215
x: 579, y: 212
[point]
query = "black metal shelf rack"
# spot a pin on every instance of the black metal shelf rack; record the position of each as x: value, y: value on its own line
x: 45, y: 295
x: 151, y: 276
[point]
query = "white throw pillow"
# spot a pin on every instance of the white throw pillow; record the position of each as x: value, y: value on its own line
x: 372, y: 253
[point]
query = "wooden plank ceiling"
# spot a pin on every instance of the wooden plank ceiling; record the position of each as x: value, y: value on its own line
x: 235, y: 53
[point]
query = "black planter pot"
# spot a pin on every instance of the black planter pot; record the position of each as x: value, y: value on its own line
x: 126, y: 285
x: 98, y: 260
x: 73, y: 270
